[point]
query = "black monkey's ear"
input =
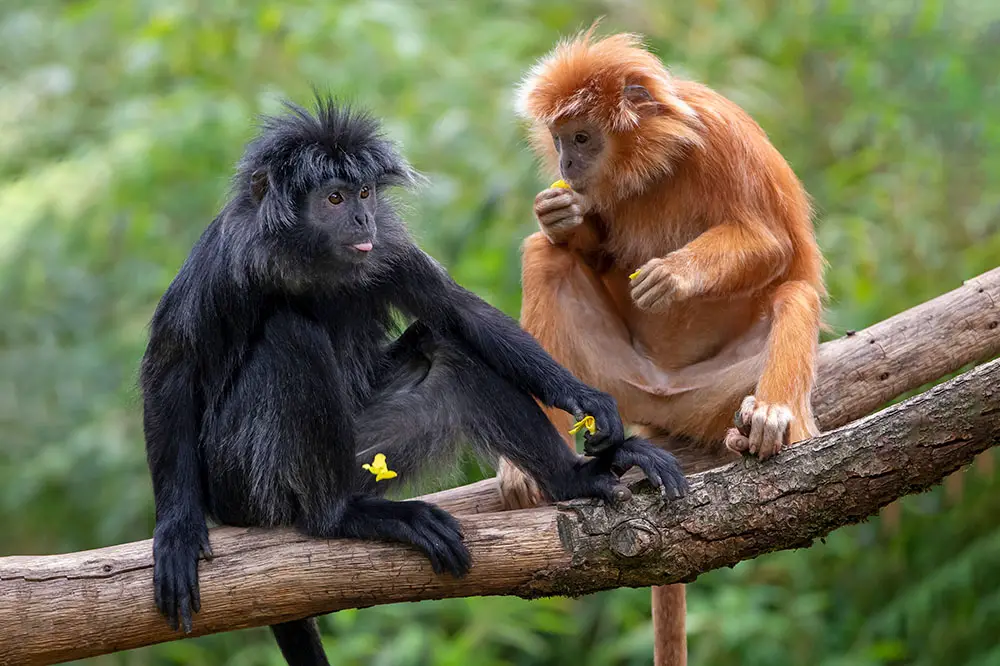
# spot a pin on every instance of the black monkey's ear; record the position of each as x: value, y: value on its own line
x: 258, y: 185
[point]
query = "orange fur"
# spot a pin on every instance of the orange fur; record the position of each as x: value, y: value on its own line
x: 690, y: 190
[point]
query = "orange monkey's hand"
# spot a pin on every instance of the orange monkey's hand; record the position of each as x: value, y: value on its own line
x: 559, y: 211
x: 661, y: 282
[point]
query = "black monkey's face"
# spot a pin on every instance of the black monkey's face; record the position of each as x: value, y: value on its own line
x: 344, y: 214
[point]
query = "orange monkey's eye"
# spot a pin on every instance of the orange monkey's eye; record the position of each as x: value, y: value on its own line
x: 364, y: 192
x: 581, y: 137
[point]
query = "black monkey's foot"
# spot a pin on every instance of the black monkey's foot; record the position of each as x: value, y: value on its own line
x: 434, y: 531
x: 660, y: 467
x: 176, y: 546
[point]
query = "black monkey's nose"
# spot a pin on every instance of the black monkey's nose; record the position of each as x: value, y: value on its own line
x: 360, y: 219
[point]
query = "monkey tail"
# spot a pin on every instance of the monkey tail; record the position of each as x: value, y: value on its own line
x: 300, y: 642
x: 669, y: 626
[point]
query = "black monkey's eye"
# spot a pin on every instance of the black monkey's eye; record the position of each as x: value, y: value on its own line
x: 336, y: 198
x: 364, y: 192
x: 581, y: 137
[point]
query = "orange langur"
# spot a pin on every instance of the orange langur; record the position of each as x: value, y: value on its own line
x: 678, y: 272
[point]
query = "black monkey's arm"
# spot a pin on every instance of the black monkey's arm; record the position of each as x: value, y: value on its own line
x: 430, y: 294
x: 171, y: 414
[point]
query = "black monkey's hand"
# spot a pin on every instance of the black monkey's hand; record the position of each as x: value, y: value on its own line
x: 589, y: 401
x: 176, y: 545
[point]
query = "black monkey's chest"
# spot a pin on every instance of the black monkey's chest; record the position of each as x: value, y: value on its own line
x: 358, y: 333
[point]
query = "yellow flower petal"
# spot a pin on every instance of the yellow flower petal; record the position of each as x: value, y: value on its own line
x: 379, y: 468
x: 634, y: 275
x: 587, y: 422
x: 561, y: 184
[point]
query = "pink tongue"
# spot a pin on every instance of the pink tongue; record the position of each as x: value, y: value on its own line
x: 364, y: 247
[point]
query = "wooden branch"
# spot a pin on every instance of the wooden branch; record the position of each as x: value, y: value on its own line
x: 862, y: 371
x: 63, y: 607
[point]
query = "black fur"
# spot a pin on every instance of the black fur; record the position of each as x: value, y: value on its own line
x: 271, y: 374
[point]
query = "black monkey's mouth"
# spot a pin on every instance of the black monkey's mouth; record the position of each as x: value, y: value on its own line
x: 363, y: 247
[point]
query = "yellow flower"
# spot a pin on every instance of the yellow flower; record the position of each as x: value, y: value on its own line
x: 561, y: 184
x: 634, y: 275
x: 588, y: 422
x: 379, y: 468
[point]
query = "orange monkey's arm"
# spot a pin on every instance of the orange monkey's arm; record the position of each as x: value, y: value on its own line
x: 730, y: 259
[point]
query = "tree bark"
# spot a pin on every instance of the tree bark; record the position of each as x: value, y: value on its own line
x: 63, y: 607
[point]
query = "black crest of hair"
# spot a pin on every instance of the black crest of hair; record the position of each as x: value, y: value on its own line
x: 300, y: 150
x: 273, y: 372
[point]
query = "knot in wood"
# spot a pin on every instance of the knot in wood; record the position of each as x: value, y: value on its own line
x: 634, y: 537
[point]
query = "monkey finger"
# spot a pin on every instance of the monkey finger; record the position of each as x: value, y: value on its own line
x: 558, y: 202
x: 653, y: 299
x: 553, y: 193
x: 645, y: 283
x: 566, y: 218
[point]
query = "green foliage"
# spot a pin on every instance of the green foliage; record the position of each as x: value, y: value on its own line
x: 119, y: 126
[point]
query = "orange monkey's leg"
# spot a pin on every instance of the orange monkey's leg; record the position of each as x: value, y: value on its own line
x: 569, y: 311
x: 669, y: 626
x: 780, y: 411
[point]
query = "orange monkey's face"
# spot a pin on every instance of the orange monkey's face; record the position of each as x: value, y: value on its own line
x: 582, y: 149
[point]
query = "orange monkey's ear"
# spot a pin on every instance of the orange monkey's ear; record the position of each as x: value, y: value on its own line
x: 642, y: 101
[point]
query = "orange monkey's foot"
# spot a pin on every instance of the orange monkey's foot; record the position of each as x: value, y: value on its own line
x: 517, y: 489
x: 762, y: 428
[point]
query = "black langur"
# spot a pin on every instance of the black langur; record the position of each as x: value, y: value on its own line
x: 271, y: 375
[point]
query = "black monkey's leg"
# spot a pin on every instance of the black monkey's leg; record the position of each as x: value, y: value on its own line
x: 510, y: 422
x: 300, y: 642
x: 443, y: 390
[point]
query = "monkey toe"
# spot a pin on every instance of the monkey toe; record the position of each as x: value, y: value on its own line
x: 660, y: 467
x: 517, y: 489
x: 737, y: 442
x: 770, y: 427
x: 439, y: 535
x: 744, y: 415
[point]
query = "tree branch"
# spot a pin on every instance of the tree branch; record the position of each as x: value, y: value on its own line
x: 63, y: 607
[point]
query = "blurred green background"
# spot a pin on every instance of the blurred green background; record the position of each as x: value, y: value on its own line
x: 119, y: 126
